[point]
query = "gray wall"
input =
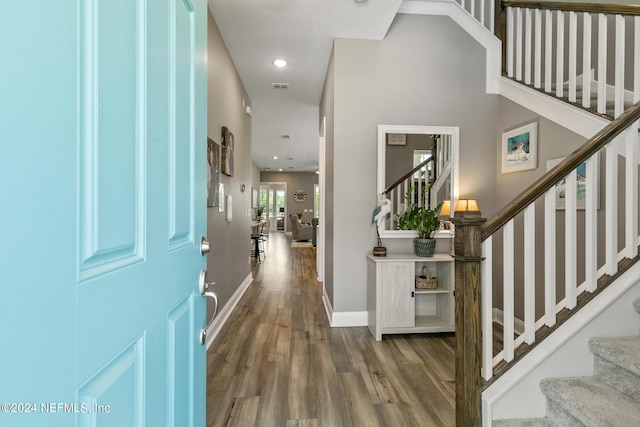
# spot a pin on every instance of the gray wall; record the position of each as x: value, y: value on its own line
x: 399, y: 158
x: 228, y: 262
x: 427, y: 71
x: 295, y: 181
x: 327, y: 109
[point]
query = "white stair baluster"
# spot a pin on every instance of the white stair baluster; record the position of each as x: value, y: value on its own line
x: 548, y: 50
x: 573, y: 42
x: 487, y: 308
x: 586, y: 60
x: 519, y: 33
x: 527, y: 46
x: 602, y: 63
x: 619, y: 67
x: 570, y: 244
x: 508, y: 291
x: 530, y: 273
x: 510, y: 41
x: 636, y: 59
x: 537, y: 74
x: 591, y: 223
x: 631, y: 189
x: 560, y: 54
x: 550, y: 257
x: 611, y: 208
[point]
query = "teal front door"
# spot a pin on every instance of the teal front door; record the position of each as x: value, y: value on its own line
x: 102, y: 207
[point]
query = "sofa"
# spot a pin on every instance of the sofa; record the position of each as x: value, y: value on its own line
x: 300, y: 232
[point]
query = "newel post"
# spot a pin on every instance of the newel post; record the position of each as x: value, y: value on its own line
x: 468, y: 256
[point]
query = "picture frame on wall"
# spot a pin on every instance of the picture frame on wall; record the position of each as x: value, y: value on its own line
x: 520, y: 148
x: 213, y: 173
x: 581, y: 184
x: 227, y: 151
x: 396, y: 139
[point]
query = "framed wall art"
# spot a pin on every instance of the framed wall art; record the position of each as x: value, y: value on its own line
x: 213, y: 173
x: 227, y: 151
x: 520, y: 148
x: 581, y: 185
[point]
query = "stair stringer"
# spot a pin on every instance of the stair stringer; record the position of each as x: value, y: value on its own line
x: 564, y: 353
x: 575, y: 119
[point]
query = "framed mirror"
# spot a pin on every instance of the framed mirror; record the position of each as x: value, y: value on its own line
x: 424, y: 158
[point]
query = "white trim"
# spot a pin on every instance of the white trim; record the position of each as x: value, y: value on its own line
x: 467, y: 23
x: 547, y: 347
x: 344, y: 319
x: 223, y: 315
x: 327, y: 304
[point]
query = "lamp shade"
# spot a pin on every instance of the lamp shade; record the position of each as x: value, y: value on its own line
x: 467, y: 205
x: 445, y: 210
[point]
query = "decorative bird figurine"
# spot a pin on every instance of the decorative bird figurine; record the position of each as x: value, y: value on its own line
x: 381, y: 211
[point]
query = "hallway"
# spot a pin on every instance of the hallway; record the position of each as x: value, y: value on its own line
x: 277, y: 362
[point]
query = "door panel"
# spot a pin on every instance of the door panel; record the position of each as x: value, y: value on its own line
x: 102, y: 163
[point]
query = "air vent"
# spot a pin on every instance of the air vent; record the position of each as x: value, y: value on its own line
x: 285, y: 136
x: 280, y: 85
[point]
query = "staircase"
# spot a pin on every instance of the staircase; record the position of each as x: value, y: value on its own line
x: 609, y: 398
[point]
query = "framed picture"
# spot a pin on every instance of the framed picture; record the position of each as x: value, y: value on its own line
x: 227, y: 151
x: 520, y: 148
x: 396, y: 139
x: 213, y: 173
x: 581, y: 185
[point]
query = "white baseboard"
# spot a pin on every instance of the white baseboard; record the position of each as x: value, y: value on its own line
x: 223, y: 315
x: 344, y: 319
x: 498, y: 317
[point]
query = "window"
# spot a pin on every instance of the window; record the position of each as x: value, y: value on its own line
x: 420, y: 156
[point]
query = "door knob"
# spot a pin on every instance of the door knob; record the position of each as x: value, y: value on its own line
x: 205, y: 247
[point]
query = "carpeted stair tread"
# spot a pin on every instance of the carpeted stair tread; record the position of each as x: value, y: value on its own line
x: 622, y: 351
x: 592, y: 402
x: 531, y: 422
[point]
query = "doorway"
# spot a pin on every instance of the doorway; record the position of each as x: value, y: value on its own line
x: 272, y: 196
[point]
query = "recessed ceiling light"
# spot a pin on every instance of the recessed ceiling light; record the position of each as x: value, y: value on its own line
x: 280, y: 63
x: 275, y: 157
x: 289, y: 158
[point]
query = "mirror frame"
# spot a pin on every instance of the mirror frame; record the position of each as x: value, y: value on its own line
x: 383, y: 130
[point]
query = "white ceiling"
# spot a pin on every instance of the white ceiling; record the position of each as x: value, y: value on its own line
x: 300, y: 31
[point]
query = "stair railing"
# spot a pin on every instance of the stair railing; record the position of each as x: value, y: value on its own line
x: 418, y: 177
x: 503, y: 254
x: 566, y: 50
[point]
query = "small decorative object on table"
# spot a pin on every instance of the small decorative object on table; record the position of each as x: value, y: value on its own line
x: 424, y: 281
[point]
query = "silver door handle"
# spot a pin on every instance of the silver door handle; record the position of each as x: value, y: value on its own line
x: 203, y: 333
x: 203, y: 286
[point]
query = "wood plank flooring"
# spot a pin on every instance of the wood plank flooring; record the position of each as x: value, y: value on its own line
x: 277, y: 362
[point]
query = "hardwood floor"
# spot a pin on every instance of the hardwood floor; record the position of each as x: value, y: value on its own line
x: 277, y: 362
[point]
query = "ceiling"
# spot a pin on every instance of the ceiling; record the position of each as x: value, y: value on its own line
x: 300, y: 31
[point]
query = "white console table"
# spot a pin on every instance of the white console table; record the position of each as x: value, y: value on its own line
x: 396, y: 306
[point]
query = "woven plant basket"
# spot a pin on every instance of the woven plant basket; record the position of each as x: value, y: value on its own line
x: 424, y: 281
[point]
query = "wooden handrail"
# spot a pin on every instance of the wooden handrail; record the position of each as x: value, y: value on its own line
x: 617, y: 9
x: 547, y: 181
x: 407, y: 175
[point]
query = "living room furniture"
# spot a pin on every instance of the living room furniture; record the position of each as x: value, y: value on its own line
x: 396, y: 306
x: 300, y: 232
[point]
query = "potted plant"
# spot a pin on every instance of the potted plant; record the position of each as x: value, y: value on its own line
x: 421, y: 219
x: 259, y: 211
x: 299, y: 215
